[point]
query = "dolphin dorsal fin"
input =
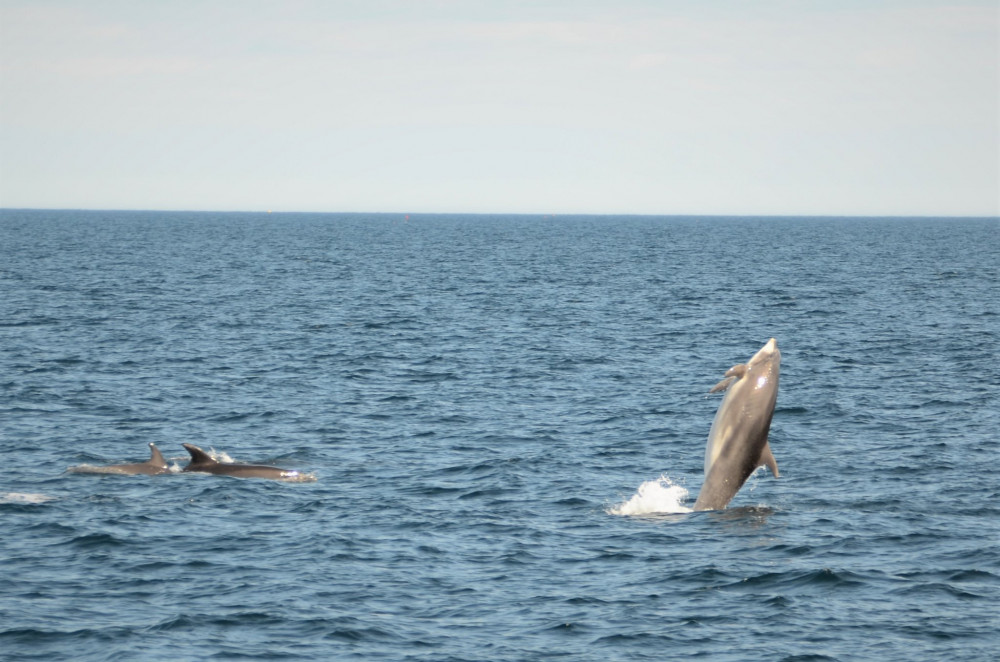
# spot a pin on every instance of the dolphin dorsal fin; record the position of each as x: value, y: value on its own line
x: 767, y: 460
x: 198, y: 456
x: 156, y: 457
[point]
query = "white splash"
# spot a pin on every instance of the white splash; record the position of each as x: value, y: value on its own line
x: 655, y: 497
x: 24, y: 497
x: 292, y: 476
x: 220, y: 456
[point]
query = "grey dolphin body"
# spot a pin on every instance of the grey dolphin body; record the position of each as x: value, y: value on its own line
x: 737, y: 442
x: 202, y: 462
x: 154, y: 465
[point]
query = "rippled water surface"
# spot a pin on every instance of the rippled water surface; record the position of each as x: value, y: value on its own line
x: 478, y: 397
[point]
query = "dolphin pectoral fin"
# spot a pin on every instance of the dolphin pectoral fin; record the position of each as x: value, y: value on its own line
x: 737, y: 371
x: 723, y: 385
x: 767, y: 460
x: 734, y: 373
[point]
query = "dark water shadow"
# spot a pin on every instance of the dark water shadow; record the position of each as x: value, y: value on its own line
x: 745, y: 516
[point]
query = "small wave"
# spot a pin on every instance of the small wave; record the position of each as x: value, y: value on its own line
x: 24, y: 497
x: 654, y: 497
x: 96, y: 541
x: 97, y: 469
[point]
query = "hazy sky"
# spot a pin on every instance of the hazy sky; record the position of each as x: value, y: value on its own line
x: 585, y: 106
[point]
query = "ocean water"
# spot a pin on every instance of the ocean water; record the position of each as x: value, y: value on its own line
x: 507, y: 420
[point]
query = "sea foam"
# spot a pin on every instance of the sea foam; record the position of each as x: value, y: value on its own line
x: 654, y: 497
x: 24, y: 497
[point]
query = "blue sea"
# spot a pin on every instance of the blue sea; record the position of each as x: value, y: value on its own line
x: 507, y: 418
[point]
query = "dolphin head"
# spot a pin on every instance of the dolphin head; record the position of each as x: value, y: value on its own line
x: 764, y: 366
x: 769, y: 352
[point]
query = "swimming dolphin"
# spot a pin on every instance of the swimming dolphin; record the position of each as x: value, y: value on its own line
x: 154, y: 465
x: 202, y: 462
x: 737, y: 442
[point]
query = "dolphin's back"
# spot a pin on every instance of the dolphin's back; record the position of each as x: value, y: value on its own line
x: 154, y: 465
x: 202, y: 462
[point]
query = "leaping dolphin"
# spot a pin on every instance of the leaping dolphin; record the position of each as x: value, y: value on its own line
x: 202, y: 462
x: 737, y: 442
x: 154, y: 465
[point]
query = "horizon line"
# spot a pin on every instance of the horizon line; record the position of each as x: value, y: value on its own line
x: 408, y: 214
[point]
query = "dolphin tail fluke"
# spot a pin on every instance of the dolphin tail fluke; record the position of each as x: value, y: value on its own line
x: 767, y: 460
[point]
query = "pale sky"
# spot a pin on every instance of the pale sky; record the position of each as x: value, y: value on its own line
x: 840, y: 107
